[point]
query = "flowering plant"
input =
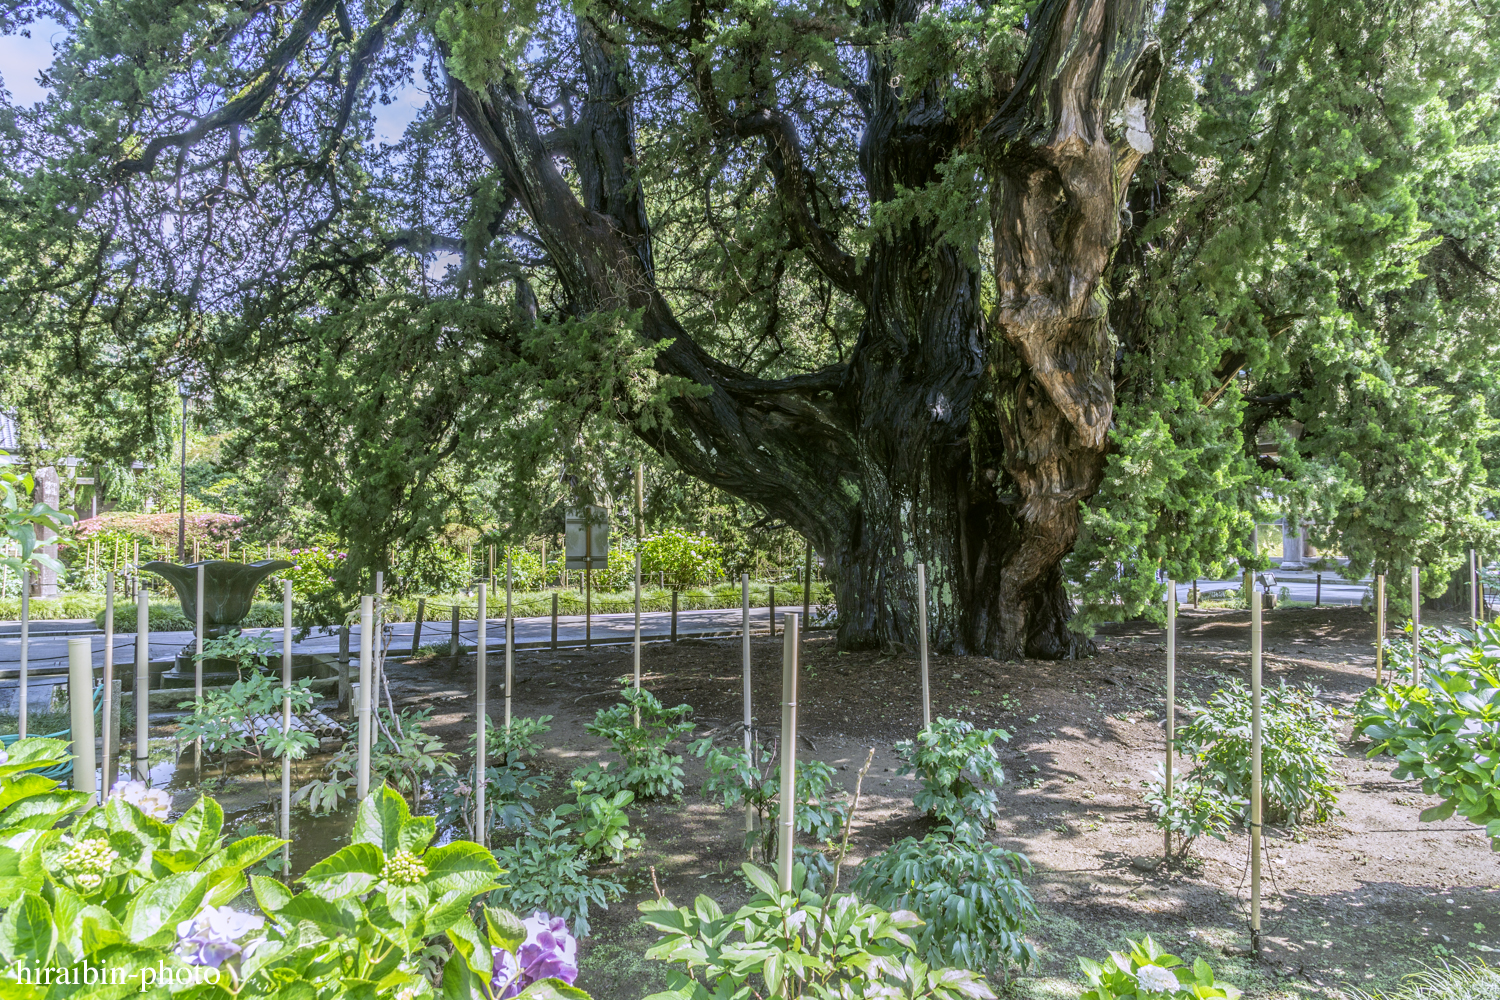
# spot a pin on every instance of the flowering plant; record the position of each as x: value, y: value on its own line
x: 1147, y: 972
x: 163, y: 906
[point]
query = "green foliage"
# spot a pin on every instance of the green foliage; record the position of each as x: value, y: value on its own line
x: 1455, y: 980
x: 1198, y: 805
x: 547, y: 869
x: 403, y: 754
x: 429, y: 569
x: 739, y: 779
x: 1122, y: 975
x: 640, y: 730
x: 1299, y: 741
x: 249, y: 652
x: 226, y: 721
x: 797, y: 944
x: 602, y: 825
x: 956, y: 763
x: 968, y: 893
x: 123, y: 891
x: 686, y: 559
x: 1445, y: 729
x: 20, y: 518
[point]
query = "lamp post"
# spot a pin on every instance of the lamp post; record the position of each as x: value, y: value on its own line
x: 182, y: 389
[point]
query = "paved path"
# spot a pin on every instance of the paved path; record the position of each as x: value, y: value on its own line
x: 49, y: 653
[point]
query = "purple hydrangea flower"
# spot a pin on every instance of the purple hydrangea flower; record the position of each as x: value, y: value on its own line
x: 549, y: 952
x: 212, y: 936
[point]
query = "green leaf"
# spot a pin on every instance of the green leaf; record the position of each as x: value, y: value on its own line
x: 382, y: 815
x: 156, y: 911
x: 332, y: 917
x: 26, y: 932
x: 198, y: 829
x: 1438, y: 812
x: 552, y: 989
x: 351, y: 870
x: 271, y: 894
x: 763, y: 881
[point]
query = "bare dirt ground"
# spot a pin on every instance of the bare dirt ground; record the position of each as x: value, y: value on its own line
x: 1357, y: 902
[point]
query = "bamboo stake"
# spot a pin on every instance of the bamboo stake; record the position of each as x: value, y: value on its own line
x: 1255, y: 770
x: 1416, y: 625
x: 1474, y: 588
x: 637, y: 620
x: 81, y: 704
x: 25, y: 644
x: 109, y: 675
x: 142, y: 685
x: 788, y: 819
x: 366, y: 641
x: 286, y: 727
x: 745, y: 667
x: 198, y: 664
x: 1171, y: 699
x: 510, y: 637
x: 807, y: 585
x: 1379, y: 624
x: 922, y: 643
x: 481, y: 716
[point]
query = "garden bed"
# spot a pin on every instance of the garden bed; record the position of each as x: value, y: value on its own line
x: 1358, y: 901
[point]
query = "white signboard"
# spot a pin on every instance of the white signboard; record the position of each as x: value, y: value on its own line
x: 587, y: 537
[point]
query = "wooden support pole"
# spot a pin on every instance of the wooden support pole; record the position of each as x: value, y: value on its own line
x: 198, y: 662
x: 1171, y: 699
x: 922, y: 643
x: 1474, y: 588
x: 588, y: 607
x: 637, y: 656
x: 1255, y: 770
x: 286, y: 727
x: 109, y: 679
x: 1416, y: 625
x: 25, y: 647
x: 674, y: 614
x: 142, y: 693
x: 787, y: 820
x: 745, y: 670
x: 81, y: 706
x: 771, y: 608
x: 366, y: 730
x: 1318, y: 593
x: 1379, y: 625
x: 554, y: 619
x: 807, y: 587
x: 453, y: 634
x: 510, y: 637
x: 481, y: 716
x: 345, y: 700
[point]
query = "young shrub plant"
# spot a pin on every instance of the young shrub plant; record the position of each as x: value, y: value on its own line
x: 646, y: 769
x: 797, y: 944
x: 958, y: 765
x: 165, y: 908
x: 1298, y: 780
x: 1444, y: 730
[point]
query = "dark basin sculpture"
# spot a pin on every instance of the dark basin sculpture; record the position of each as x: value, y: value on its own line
x: 228, y: 588
x: 228, y: 592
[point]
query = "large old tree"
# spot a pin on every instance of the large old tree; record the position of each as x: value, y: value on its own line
x: 1016, y: 290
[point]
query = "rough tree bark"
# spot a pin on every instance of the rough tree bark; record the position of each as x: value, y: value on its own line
x: 963, y: 441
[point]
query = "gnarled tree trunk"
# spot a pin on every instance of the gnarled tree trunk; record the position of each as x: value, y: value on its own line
x: 962, y: 441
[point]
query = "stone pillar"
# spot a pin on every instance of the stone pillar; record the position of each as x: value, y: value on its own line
x: 46, y: 490
x: 1291, y: 549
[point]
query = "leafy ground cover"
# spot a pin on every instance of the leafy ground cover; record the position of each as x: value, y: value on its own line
x: 1359, y: 901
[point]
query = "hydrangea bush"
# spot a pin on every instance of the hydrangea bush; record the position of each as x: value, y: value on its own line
x: 161, y: 909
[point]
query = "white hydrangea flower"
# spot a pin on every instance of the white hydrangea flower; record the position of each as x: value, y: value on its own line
x: 1155, y: 979
x: 152, y: 801
x: 88, y: 862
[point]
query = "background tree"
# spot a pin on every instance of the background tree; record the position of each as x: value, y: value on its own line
x: 1016, y: 290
